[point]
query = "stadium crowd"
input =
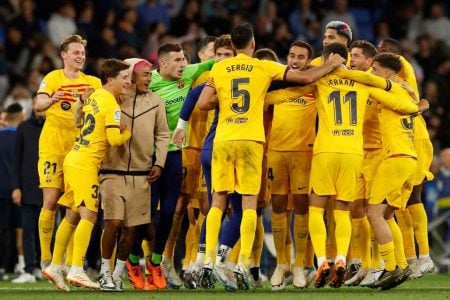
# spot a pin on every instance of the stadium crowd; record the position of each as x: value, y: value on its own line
x: 33, y: 36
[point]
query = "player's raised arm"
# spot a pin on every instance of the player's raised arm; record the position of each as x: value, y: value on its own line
x: 365, y: 78
x: 287, y: 94
x: 311, y: 75
x: 206, y: 99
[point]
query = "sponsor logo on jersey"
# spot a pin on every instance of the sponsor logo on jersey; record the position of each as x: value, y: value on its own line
x: 65, y: 105
x: 117, y: 115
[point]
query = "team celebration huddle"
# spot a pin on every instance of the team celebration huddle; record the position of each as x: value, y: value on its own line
x: 335, y: 144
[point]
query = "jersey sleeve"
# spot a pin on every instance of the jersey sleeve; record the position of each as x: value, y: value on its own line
x: 364, y: 78
x: 190, y: 102
x: 112, y: 114
x: 50, y: 84
x: 195, y: 70
x: 95, y: 82
x: 395, y: 100
x: 407, y: 72
x: 275, y: 70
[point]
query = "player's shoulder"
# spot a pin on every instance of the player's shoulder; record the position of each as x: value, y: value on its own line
x: 93, y: 80
x: 55, y: 75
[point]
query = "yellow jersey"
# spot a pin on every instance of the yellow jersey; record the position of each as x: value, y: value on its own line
x: 197, y: 125
x: 293, y: 124
x: 241, y: 85
x: 318, y: 61
x: 101, y: 111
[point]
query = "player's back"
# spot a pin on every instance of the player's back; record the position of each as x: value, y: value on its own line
x: 101, y: 111
x: 341, y: 106
x: 241, y: 83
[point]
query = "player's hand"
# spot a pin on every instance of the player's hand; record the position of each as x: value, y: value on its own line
x: 410, y: 91
x: 336, y: 60
x: 424, y: 105
x: 87, y: 92
x: 179, y: 137
x: 16, y: 196
x: 123, y: 128
x: 56, y: 96
x: 155, y: 173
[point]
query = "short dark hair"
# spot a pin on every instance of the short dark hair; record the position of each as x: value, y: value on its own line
x: 305, y: 45
x: 368, y: 49
x: 335, y: 48
x: 111, y: 68
x: 168, y: 47
x: 205, y: 41
x: 224, y: 41
x: 242, y: 35
x: 13, y: 112
x: 266, y: 53
x: 392, y: 45
x: 389, y: 60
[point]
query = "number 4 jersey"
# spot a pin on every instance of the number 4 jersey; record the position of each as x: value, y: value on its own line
x: 101, y: 112
x: 241, y: 84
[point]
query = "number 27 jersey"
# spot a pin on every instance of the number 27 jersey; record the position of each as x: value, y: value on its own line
x: 101, y: 111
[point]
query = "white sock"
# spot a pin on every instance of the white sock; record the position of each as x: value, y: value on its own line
x: 106, y: 266
x: 120, y: 266
x: 21, y: 260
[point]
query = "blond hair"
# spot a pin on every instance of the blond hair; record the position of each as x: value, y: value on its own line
x: 74, y: 38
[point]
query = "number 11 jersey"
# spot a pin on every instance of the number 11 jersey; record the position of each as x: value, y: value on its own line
x: 241, y: 84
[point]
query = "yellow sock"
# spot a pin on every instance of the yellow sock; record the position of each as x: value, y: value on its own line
x: 364, y: 245
x: 62, y: 238
x: 279, y: 231
x: 354, y: 251
x: 195, y: 239
x: 317, y: 230
x: 301, y: 238
x: 288, y: 253
x: 69, y: 252
x: 387, y: 252
x: 81, y: 239
x: 147, y: 248
x: 190, y: 235
x: 234, y: 254
x: 248, y: 228
x: 331, y: 229
x: 258, y: 243
x: 375, y: 251
x: 343, y: 231
x: 213, y: 222
x: 46, y: 224
x: 398, y: 244
x: 405, y: 224
x: 309, y: 254
x: 173, y: 236
x: 420, y: 226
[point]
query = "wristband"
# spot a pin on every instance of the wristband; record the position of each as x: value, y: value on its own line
x: 182, y: 124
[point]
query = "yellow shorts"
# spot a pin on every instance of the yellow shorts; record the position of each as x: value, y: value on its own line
x: 424, y: 150
x: 290, y: 202
x: 393, y: 181
x: 191, y: 170
x: 50, y: 169
x: 371, y: 161
x: 194, y: 203
x: 125, y: 198
x: 237, y: 166
x: 335, y: 174
x: 201, y: 188
x: 81, y: 186
x: 54, y: 144
x: 289, y: 172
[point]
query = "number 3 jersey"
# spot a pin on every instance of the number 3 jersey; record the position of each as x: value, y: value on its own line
x: 241, y: 84
x: 101, y: 112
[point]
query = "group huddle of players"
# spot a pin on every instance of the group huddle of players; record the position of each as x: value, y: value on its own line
x: 336, y: 152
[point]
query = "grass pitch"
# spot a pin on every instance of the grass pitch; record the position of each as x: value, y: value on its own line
x: 430, y: 287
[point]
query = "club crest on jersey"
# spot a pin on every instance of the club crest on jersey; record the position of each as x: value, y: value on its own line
x: 181, y: 84
x: 65, y: 105
x: 42, y: 85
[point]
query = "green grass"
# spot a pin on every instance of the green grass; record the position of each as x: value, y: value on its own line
x: 431, y: 287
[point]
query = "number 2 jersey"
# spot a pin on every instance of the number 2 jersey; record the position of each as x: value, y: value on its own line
x: 101, y: 112
x: 241, y: 84
x: 58, y: 133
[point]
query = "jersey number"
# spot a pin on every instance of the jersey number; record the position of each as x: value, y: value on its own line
x: 48, y: 166
x: 350, y: 97
x: 88, y: 128
x: 236, y: 92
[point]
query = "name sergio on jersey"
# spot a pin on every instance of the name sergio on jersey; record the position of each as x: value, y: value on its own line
x: 175, y: 100
x: 239, y: 67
